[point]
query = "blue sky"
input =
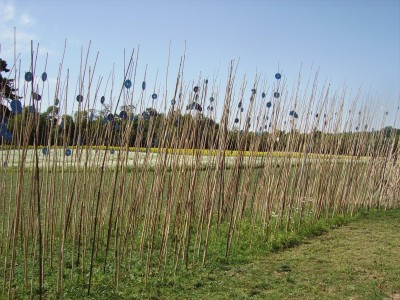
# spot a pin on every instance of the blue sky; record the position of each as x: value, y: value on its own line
x: 356, y: 43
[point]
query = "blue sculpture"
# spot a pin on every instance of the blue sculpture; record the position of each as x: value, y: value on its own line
x: 28, y: 76
x: 128, y: 84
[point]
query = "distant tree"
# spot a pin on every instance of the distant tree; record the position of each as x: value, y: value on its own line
x: 51, y: 112
x: 128, y: 108
x: 66, y: 129
x: 102, y: 113
x: 4, y: 112
x: 152, y: 112
x: 7, y: 90
x: 81, y: 117
x: 389, y: 131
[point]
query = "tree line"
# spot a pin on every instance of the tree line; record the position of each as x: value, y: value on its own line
x: 153, y: 129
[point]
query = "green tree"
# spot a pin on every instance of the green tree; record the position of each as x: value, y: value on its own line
x: 7, y: 90
x: 51, y: 112
x: 128, y: 108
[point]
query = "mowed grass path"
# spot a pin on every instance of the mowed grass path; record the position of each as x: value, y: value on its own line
x: 360, y: 260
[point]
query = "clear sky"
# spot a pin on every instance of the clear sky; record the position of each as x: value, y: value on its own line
x: 356, y: 43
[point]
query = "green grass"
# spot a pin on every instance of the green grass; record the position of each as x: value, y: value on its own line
x: 355, y: 261
x: 245, y: 273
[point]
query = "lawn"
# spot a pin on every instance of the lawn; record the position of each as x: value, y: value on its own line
x: 359, y: 260
x: 344, y: 258
x: 178, y: 226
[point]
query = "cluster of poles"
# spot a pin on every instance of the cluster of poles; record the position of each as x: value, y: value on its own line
x: 78, y: 210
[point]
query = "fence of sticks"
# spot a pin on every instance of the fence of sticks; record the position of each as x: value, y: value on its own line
x: 153, y: 181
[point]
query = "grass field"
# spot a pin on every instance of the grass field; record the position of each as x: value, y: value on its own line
x: 358, y: 261
x: 91, y: 156
x: 344, y: 258
x: 151, y: 220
